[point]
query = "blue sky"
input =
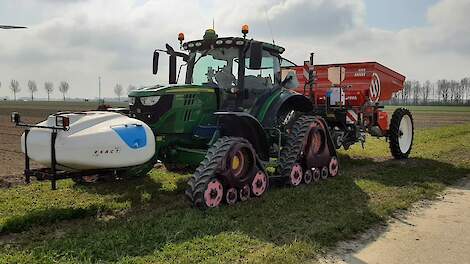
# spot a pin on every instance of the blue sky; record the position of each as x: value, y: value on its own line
x: 397, y: 14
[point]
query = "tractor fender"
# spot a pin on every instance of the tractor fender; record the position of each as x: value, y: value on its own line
x: 241, y: 124
x: 287, y: 100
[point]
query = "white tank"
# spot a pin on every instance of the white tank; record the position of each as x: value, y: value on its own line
x: 94, y: 140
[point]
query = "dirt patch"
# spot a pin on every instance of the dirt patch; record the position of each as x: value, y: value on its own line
x: 435, y: 119
x: 11, y: 157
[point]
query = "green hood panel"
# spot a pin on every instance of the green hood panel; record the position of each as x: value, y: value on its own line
x: 171, y: 89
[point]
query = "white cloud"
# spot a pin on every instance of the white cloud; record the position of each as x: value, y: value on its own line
x: 79, y: 40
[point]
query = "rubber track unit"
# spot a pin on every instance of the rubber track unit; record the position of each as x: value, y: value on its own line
x: 394, y: 133
x: 290, y: 152
x: 207, y: 169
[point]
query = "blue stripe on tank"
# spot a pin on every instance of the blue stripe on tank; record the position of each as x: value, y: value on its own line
x: 134, y: 135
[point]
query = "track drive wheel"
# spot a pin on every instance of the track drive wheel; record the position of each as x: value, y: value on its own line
x: 229, y: 162
x: 401, y: 133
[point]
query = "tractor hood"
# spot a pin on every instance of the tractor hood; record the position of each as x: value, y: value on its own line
x: 173, y: 108
x: 160, y: 90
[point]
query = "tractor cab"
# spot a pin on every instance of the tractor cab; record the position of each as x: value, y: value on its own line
x: 241, y: 71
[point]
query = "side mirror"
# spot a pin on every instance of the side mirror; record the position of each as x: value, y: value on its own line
x: 169, y: 49
x: 256, y: 55
x: 172, y: 77
x: 156, y: 55
x: 15, y: 117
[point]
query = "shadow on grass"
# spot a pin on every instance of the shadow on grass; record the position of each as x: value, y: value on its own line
x: 364, y: 194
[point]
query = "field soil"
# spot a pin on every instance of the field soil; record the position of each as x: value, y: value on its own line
x: 434, y: 232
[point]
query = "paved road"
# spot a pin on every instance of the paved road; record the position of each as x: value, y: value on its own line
x: 439, y: 233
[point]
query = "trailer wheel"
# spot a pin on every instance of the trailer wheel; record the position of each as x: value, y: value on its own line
x: 229, y: 162
x: 401, y: 133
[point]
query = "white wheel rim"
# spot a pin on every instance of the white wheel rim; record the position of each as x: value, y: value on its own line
x: 405, y: 134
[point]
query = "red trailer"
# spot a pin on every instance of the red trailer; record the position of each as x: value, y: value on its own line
x: 362, y: 81
x: 349, y: 96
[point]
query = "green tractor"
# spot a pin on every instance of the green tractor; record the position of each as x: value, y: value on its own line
x: 237, y: 120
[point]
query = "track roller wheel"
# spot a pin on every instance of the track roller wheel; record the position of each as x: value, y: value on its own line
x: 401, y: 133
x: 230, y: 161
x: 213, y: 193
x: 245, y: 192
x: 308, y: 177
x: 316, y: 175
x: 259, y: 184
x: 296, y: 175
x: 333, y: 167
x: 231, y: 196
x: 324, y: 173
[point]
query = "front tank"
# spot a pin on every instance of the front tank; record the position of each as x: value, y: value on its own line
x: 94, y: 140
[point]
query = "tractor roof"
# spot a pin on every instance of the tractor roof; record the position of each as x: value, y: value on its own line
x: 208, y: 43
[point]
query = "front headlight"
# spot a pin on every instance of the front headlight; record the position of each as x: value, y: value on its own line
x: 131, y: 100
x: 150, y: 100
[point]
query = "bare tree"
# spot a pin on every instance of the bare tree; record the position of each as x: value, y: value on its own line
x: 415, y: 90
x: 15, y: 87
x: 118, y: 91
x: 64, y: 88
x: 443, y: 90
x: 465, y: 83
x: 32, y: 87
x: 405, y: 93
x: 49, y: 87
x: 131, y: 88
x: 426, y: 91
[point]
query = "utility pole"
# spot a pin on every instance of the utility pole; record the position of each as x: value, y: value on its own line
x: 99, y: 90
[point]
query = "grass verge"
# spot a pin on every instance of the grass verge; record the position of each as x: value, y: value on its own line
x: 288, y: 225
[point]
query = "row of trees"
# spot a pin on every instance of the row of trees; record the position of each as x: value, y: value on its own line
x: 33, y: 88
x: 63, y: 88
x: 440, y: 92
x: 118, y: 90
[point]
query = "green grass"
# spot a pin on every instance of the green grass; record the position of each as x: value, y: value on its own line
x: 147, y: 220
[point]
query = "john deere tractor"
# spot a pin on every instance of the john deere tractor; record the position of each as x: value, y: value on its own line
x: 235, y: 118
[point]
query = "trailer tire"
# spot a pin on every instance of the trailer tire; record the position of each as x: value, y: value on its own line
x: 401, y: 133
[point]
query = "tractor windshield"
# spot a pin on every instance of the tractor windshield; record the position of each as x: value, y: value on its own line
x: 220, y: 67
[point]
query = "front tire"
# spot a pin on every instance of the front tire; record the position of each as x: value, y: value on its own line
x: 401, y: 133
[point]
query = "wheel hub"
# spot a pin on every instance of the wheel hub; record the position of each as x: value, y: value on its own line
x: 296, y: 175
x: 213, y: 194
x: 260, y: 183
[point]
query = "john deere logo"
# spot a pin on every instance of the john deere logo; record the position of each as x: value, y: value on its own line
x: 374, y: 88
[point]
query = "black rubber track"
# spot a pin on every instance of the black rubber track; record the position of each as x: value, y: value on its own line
x: 291, y: 150
x: 394, y: 133
x: 207, y: 169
